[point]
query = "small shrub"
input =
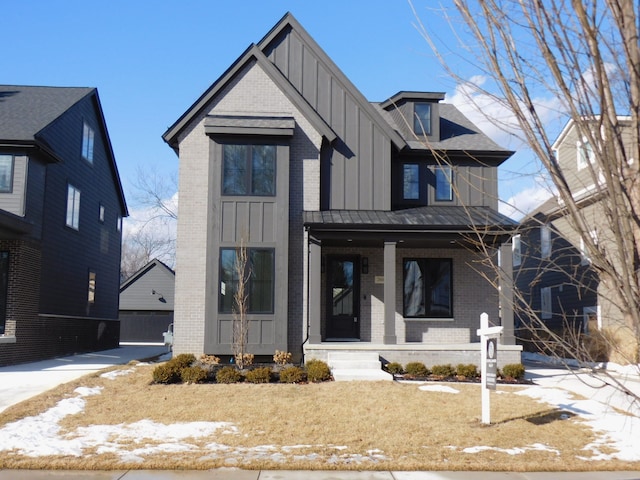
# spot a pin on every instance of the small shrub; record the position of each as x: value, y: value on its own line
x: 395, y: 368
x: 193, y: 374
x: 317, y: 371
x: 209, y: 359
x: 416, y: 369
x: 282, y: 358
x: 468, y: 371
x: 513, y: 370
x: 443, y: 371
x: 228, y: 375
x: 183, y: 360
x: 259, y: 375
x: 166, y: 373
x: 292, y: 375
x: 246, y: 360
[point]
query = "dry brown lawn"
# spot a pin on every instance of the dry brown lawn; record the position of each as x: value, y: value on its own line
x: 350, y: 425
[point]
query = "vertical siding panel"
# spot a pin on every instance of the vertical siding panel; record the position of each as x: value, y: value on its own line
x: 295, y: 62
x: 310, y: 78
x: 366, y: 163
x: 324, y: 93
x: 351, y: 138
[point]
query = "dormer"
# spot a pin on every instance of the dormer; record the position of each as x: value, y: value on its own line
x: 417, y: 114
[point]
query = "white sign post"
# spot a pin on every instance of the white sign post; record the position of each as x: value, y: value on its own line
x: 489, y: 363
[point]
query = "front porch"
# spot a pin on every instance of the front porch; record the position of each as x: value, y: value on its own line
x: 406, y: 286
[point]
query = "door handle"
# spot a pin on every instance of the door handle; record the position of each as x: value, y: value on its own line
x: 355, y: 319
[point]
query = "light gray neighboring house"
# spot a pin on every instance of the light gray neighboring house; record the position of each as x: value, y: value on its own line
x: 359, y: 222
x: 146, y: 303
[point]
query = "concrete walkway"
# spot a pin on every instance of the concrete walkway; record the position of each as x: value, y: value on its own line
x: 235, y: 474
x: 19, y: 382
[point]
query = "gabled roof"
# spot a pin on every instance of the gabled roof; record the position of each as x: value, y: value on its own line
x: 252, y: 54
x: 255, y: 53
x: 25, y: 111
x: 155, y: 263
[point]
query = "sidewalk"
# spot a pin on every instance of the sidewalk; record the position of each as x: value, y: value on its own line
x: 19, y: 382
x: 235, y: 474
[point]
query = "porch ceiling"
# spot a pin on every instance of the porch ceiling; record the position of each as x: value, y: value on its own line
x: 431, y: 226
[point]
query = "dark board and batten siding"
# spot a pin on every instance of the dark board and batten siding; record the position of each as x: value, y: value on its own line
x: 359, y: 161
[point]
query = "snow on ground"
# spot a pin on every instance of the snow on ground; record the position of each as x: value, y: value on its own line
x: 41, y: 435
x: 613, y: 429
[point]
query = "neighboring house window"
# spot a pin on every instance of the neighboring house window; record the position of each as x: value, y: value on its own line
x: 444, y: 187
x: 260, y: 281
x: 545, y: 303
x: 87, y: 143
x: 6, y: 173
x: 4, y: 287
x: 119, y: 223
x: 91, y: 297
x: 422, y: 118
x: 411, y: 181
x: 249, y: 170
x: 427, y: 288
x: 585, y: 154
x: 585, y: 258
x: 73, y: 207
x: 101, y: 214
x: 545, y: 241
x: 516, y: 248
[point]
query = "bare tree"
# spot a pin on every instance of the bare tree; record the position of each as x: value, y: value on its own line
x: 142, y: 246
x: 242, y: 267
x: 580, y: 59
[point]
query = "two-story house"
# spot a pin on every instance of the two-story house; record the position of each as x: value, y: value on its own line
x: 61, y: 210
x: 557, y: 286
x: 360, y: 219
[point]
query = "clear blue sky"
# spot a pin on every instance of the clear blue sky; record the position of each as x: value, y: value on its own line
x: 150, y: 60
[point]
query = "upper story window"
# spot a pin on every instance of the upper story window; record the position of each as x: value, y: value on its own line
x: 91, y: 293
x: 119, y: 223
x: 422, y: 118
x: 545, y: 241
x: 516, y: 248
x: 87, y: 142
x: 444, y: 183
x: 101, y: 213
x: 546, y: 311
x: 6, y: 173
x: 249, y: 170
x: 73, y: 207
x: 586, y: 155
x: 411, y: 181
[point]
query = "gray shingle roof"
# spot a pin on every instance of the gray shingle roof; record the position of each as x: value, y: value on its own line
x: 457, y: 132
x: 420, y: 218
x: 26, y: 110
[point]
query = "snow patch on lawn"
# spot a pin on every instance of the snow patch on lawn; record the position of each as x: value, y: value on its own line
x: 614, y: 430
x: 116, y: 373
x: 438, y: 388
x: 513, y: 451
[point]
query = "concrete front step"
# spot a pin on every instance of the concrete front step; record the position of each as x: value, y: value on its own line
x: 346, y: 366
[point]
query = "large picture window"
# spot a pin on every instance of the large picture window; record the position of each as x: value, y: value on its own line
x: 428, y: 288
x: 249, y: 170
x: 260, y: 281
x: 444, y: 183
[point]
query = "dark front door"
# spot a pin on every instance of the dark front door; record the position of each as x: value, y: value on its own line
x: 343, y: 305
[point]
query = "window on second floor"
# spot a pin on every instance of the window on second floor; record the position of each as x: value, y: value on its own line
x: 6, y: 173
x: 249, y: 170
x: 101, y: 213
x: 546, y: 311
x: 516, y: 248
x: 411, y: 181
x: 91, y: 295
x: 586, y: 155
x: 545, y: 241
x: 87, y: 143
x: 73, y: 207
x: 422, y: 119
x: 444, y: 183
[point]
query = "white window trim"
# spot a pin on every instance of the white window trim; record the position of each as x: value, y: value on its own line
x: 73, y: 207
x: 545, y: 241
x: 516, y: 248
x: 546, y: 308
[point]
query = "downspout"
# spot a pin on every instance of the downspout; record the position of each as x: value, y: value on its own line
x: 306, y: 229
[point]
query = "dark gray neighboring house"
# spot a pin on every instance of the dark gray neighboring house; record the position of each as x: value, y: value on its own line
x: 146, y: 303
x: 61, y: 210
x: 359, y: 217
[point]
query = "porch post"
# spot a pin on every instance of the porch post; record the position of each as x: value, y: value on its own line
x: 315, y: 292
x: 390, y: 293
x: 506, y: 294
